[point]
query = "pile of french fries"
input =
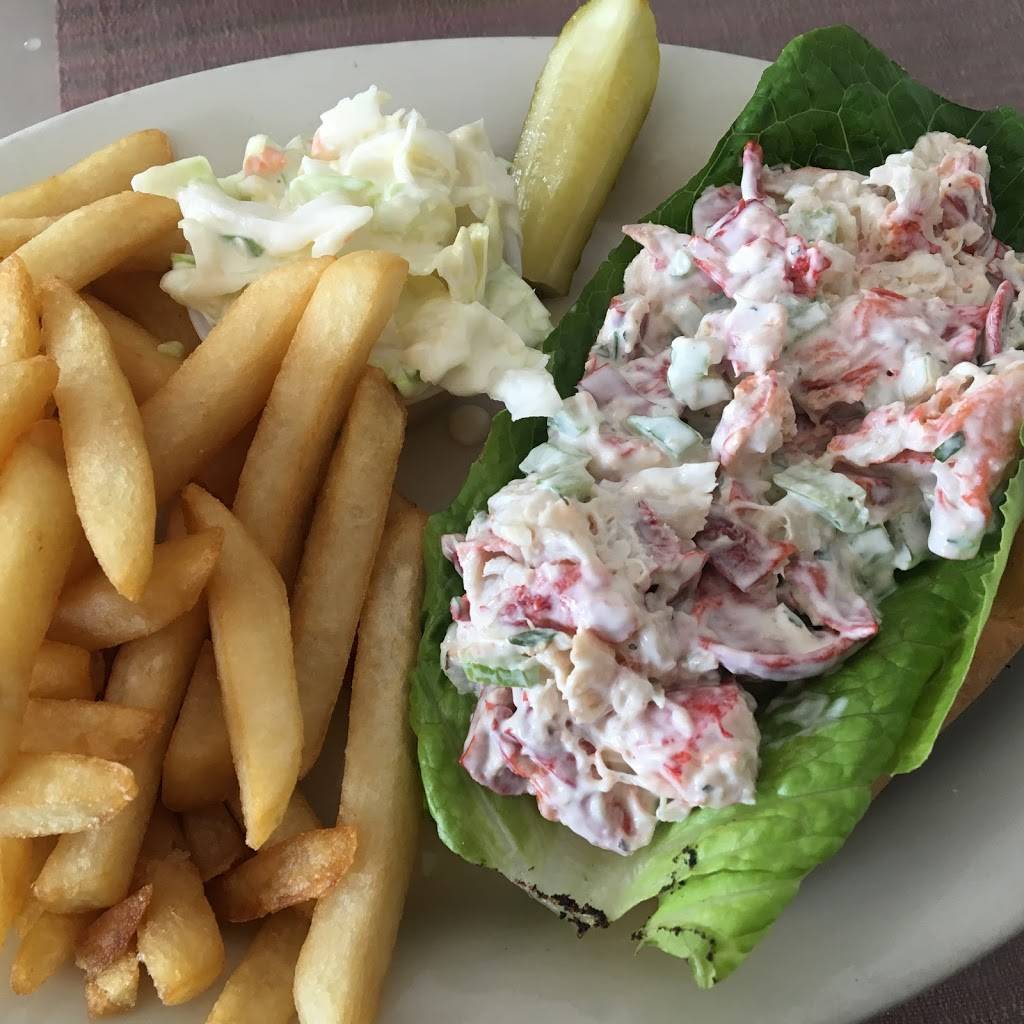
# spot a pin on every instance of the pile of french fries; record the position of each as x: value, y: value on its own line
x: 190, y: 537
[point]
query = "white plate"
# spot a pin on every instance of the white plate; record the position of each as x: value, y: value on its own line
x: 929, y: 881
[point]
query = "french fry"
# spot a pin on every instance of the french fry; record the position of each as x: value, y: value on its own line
x: 94, y: 869
x: 108, y: 463
x: 260, y: 987
x: 139, y: 296
x: 338, y: 557
x: 164, y: 835
x: 179, y: 941
x: 19, y: 312
x: 214, y: 840
x: 198, y: 770
x: 16, y: 231
x: 31, y: 909
x: 344, y: 960
x: 112, y: 934
x: 221, y: 474
x: 352, y: 302
x: 91, y: 728
x: 91, y: 614
x: 301, y: 868
x: 47, y: 946
x: 25, y: 388
x: 225, y: 382
x: 38, y: 528
x: 20, y: 861
x: 83, y: 561
x: 146, y: 368
x: 299, y: 816
x: 100, y: 174
x: 85, y: 244
x: 113, y: 989
x: 64, y: 672
x: 252, y: 641
x: 50, y: 794
x: 155, y: 257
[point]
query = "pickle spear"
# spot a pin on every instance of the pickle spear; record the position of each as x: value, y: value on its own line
x: 588, y: 106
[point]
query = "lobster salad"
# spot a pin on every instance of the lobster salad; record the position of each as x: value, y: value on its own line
x: 820, y: 386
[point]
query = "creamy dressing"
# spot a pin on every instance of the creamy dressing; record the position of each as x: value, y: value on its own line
x: 817, y: 388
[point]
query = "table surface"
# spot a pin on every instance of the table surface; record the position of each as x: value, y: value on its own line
x: 59, y: 54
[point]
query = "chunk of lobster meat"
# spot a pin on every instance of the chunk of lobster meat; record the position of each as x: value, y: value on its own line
x: 826, y: 596
x: 742, y: 554
x: 755, y: 423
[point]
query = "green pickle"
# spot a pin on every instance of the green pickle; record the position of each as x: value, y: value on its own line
x: 588, y: 106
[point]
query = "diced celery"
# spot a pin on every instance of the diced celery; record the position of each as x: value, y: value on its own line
x: 560, y: 471
x: 836, y: 497
x: 813, y: 224
x: 909, y: 532
x: 802, y: 315
x: 524, y: 673
x: 533, y: 639
x: 670, y: 434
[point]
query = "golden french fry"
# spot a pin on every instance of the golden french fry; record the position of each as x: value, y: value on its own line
x: 49, y: 794
x: 138, y: 295
x: 338, y: 557
x: 221, y: 474
x: 344, y: 960
x: 260, y: 987
x: 25, y: 388
x: 30, y: 909
x: 299, y: 816
x: 214, y: 840
x: 352, y: 302
x: 94, y: 239
x: 198, y: 770
x: 19, y: 312
x: 164, y: 835
x: 83, y: 561
x: 225, y: 382
x: 112, y: 934
x: 297, y: 869
x: 100, y: 174
x: 155, y: 257
x: 179, y: 941
x: 66, y: 672
x: 87, y: 727
x: 93, y: 615
x: 113, y: 989
x: 108, y: 462
x: 20, y: 861
x: 94, y: 869
x: 16, y: 231
x: 146, y: 368
x: 47, y: 946
x: 38, y: 528
x: 253, y: 645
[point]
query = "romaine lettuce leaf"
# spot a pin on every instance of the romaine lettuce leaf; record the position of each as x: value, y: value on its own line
x: 722, y: 877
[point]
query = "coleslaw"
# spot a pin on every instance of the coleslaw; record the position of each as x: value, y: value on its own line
x: 367, y: 179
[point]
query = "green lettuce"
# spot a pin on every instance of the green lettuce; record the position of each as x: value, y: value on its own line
x: 722, y: 877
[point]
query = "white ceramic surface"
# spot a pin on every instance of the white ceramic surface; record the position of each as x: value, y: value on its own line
x: 931, y: 878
